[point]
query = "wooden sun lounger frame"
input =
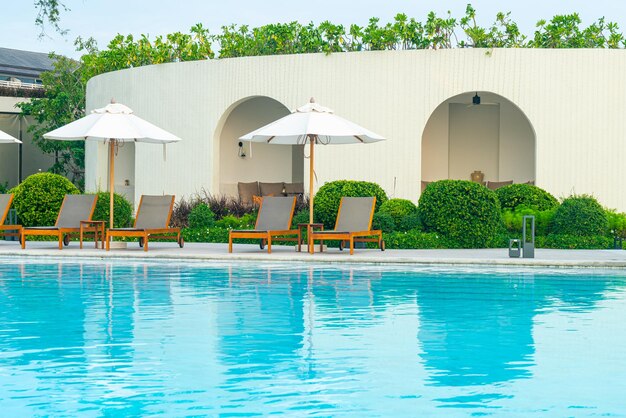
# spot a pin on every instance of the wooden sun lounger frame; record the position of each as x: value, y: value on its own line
x: 146, y: 233
x: 63, y: 234
x: 4, y: 228
x: 374, y: 235
x: 266, y: 237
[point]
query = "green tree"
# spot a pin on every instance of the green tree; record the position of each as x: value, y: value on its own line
x: 63, y: 102
x: 49, y: 13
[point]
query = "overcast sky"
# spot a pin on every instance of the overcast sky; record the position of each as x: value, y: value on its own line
x: 103, y: 19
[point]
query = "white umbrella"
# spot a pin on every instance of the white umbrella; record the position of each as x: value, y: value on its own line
x: 112, y: 124
x: 5, y: 138
x: 312, y: 124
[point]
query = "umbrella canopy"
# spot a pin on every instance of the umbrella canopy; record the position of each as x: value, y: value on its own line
x: 113, y: 123
x: 312, y: 124
x: 5, y: 138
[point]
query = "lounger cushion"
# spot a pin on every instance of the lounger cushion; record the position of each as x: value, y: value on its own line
x: 271, y: 189
x: 294, y: 188
x: 4, y: 206
x: 247, y: 190
x: 75, y: 208
x: 154, y: 212
x: 355, y: 214
x: 275, y: 214
x: 493, y: 185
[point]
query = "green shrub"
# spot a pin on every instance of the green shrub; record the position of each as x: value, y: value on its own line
x: 575, y: 242
x: 329, y: 195
x: 38, y: 198
x: 122, y: 210
x: 543, y: 220
x: 214, y: 234
x: 414, y: 239
x: 617, y: 223
x: 301, y: 217
x: 580, y: 215
x: 383, y: 221
x: 4, y: 187
x: 464, y: 212
x: 409, y: 222
x: 398, y: 209
x: 201, y: 216
x: 527, y: 195
x: 233, y: 222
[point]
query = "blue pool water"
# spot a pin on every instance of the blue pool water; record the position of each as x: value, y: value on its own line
x: 185, y: 339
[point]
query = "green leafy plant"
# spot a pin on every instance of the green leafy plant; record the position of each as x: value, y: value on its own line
x: 527, y: 195
x: 575, y: 242
x: 122, y: 210
x: 543, y: 220
x: 4, y: 187
x: 201, y: 217
x: 329, y: 196
x: 300, y: 217
x: 414, y: 239
x: 38, y: 198
x: 398, y: 209
x: 616, y: 223
x: 409, y: 222
x: 383, y: 221
x: 580, y: 216
x: 464, y: 212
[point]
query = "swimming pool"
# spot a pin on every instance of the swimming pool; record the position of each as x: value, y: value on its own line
x: 131, y: 338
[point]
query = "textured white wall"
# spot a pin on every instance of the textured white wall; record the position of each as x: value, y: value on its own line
x: 574, y: 100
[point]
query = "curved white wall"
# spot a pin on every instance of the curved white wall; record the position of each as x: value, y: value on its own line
x: 574, y: 99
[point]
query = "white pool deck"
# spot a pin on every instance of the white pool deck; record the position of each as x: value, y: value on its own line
x: 202, y: 251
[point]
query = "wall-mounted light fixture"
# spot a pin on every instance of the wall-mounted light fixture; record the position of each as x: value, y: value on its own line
x: 241, y: 153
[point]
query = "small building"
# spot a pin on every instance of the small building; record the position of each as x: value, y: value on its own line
x: 20, y: 73
x: 553, y: 117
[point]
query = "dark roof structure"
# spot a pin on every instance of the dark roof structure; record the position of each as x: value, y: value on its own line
x: 18, y: 63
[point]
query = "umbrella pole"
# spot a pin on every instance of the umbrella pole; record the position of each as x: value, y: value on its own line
x: 111, y: 179
x: 311, y: 174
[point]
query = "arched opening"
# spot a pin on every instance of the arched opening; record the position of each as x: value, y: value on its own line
x: 478, y: 132
x: 255, y: 162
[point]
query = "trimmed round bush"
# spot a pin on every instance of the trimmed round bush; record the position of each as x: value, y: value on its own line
x: 326, y: 203
x: 201, y: 216
x: 581, y: 216
x: 38, y: 198
x: 122, y: 210
x: 526, y: 195
x: 383, y: 221
x: 466, y: 213
x: 409, y: 222
x: 398, y: 209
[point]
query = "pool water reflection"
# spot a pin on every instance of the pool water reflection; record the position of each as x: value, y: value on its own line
x: 130, y: 339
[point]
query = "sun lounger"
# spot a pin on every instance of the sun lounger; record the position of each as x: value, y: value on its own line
x: 75, y: 208
x: 5, y: 205
x: 152, y: 221
x: 273, y: 223
x: 354, y: 222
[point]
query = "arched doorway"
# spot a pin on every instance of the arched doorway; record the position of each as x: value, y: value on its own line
x: 255, y: 162
x: 478, y: 131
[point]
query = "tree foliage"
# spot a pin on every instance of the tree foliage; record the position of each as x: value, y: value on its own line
x: 49, y: 13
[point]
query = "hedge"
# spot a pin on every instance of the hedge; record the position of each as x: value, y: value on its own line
x: 526, y: 195
x: 398, y: 209
x: 122, y: 210
x: 326, y: 202
x: 580, y: 215
x: 464, y: 212
x: 37, y: 200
